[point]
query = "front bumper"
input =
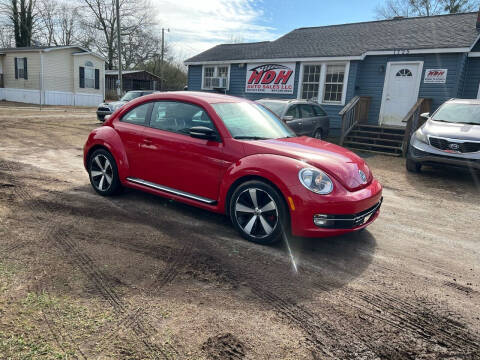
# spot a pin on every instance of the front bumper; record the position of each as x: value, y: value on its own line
x: 344, y: 211
x: 428, y: 155
x: 102, y: 113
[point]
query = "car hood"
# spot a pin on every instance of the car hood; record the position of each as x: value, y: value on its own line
x: 114, y: 105
x: 452, y: 130
x: 336, y: 161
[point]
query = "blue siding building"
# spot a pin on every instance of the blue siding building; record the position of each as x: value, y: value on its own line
x: 394, y: 62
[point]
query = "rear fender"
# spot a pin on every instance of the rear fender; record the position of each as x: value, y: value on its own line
x: 108, y: 138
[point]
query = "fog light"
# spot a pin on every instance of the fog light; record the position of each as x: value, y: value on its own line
x: 321, y: 220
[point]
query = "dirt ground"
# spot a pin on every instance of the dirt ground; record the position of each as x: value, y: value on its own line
x: 140, y: 277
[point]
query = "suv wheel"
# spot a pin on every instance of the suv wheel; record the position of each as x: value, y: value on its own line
x: 413, y: 166
x: 318, y: 134
x: 258, y: 212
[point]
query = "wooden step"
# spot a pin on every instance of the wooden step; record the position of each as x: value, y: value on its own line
x: 366, y: 139
x: 384, y: 149
x: 382, y: 129
x: 379, y: 134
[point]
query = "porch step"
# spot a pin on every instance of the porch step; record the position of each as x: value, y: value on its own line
x: 386, y: 140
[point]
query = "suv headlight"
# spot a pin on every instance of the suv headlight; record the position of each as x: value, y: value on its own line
x: 421, y: 136
x: 316, y: 180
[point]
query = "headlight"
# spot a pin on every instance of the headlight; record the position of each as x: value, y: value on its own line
x: 316, y: 180
x: 421, y: 136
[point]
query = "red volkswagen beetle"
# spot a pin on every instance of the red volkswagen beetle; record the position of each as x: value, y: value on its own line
x: 235, y: 157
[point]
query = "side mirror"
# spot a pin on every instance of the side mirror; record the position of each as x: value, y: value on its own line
x: 203, y: 132
x: 287, y: 118
x: 425, y: 115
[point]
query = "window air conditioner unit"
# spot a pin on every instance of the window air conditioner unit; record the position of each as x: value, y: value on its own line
x: 219, y: 82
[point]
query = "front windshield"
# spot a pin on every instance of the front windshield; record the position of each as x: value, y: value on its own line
x: 276, y: 106
x: 458, y: 113
x: 130, y: 96
x: 246, y: 120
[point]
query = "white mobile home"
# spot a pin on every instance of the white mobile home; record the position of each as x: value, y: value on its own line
x: 60, y: 75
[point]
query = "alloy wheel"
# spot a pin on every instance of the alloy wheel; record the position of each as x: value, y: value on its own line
x: 256, y: 213
x: 102, y: 172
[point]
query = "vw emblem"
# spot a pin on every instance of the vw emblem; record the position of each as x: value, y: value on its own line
x: 454, y: 146
x: 362, y: 176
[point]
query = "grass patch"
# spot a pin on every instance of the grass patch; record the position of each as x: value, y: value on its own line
x: 19, y: 347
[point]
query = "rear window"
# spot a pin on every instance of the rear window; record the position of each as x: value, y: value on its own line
x: 458, y: 113
x: 275, y: 106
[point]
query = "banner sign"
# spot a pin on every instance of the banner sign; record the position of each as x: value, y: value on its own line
x: 270, y: 78
x: 435, y: 76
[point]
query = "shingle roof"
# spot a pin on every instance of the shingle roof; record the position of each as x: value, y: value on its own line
x: 442, y: 31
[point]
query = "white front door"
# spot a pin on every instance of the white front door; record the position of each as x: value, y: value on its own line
x: 400, y: 92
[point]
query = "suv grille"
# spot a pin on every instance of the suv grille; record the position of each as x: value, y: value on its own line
x: 446, y: 145
x: 103, y: 109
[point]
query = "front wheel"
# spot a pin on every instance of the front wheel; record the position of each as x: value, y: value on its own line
x: 413, y: 166
x: 258, y: 212
x: 103, y: 173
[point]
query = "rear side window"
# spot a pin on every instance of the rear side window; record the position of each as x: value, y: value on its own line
x: 319, y: 111
x: 276, y: 106
x: 293, y: 111
x: 178, y: 117
x: 307, y: 111
x: 138, y: 115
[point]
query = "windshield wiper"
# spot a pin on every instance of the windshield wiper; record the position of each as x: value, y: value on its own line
x: 250, y: 138
x: 469, y: 123
x: 441, y: 120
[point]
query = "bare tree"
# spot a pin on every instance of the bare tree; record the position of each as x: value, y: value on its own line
x: 100, y: 16
x: 393, y: 8
x: 20, y: 16
x: 57, y: 22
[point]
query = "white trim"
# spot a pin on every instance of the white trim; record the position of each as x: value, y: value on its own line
x: 215, y: 72
x: 339, y: 58
x: 42, y: 91
x: 386, y: 83
x: 474, y: 54
x: 478, y: 92
x: 474, y: 43
x: 321, y: 85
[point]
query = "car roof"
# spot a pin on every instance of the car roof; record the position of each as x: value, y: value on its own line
x: 208, y: 97
x: 288, y: 101
x: 465, y: 101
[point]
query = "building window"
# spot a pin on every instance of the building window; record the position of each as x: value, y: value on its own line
x: 324, y: 83
x: 21, y: 68
x: 311, y: 81
x: 89, y: 75
x: 210, y: 72
x: 334, y: 83
x: 403, y: 73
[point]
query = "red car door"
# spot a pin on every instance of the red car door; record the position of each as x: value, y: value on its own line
x: 131, y: 129
x: 174, y: 159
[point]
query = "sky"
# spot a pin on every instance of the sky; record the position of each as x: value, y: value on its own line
x: 197, y: 25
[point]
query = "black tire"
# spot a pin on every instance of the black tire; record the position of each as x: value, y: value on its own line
x: 318, y: 134
x: 276, y: 219
x: 413, y: 166
x: 99, y: 169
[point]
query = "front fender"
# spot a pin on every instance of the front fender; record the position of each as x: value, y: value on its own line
x: 279, y: 170
x: 107, y: 137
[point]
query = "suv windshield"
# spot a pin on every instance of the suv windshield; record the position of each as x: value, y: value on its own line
x: 131, y: 95
x: 251, y: 121
x: 458, y: 113
x: 275, y: 106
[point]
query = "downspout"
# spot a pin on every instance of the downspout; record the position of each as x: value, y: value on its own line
x: 42, y: 95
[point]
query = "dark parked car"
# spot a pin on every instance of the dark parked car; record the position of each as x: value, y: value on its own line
x: 451, y: 135
x: 302, y: 116
x: 105, y: 109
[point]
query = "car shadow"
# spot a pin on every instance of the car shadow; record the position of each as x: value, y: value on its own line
x: 200, y: 244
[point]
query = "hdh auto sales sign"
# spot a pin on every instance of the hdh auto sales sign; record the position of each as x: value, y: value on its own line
x: 435, y: 76
x: 270, y: 78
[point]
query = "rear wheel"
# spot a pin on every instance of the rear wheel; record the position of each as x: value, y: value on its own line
x: 413, y: 166
x: 103, y: 172
x: 258, y: 212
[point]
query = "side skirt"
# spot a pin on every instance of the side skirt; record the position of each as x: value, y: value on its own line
x: 172, y: 191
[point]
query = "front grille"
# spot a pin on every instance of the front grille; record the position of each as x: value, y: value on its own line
x: 351, y: 221
x: 103, y: 109
x: 447, y: 145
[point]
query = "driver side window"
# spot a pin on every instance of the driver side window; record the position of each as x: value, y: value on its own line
x: 178, y: 117
x: 138, y: 115
x: 293, y: 111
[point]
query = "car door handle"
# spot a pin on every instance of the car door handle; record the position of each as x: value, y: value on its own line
x: 147, y: 141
